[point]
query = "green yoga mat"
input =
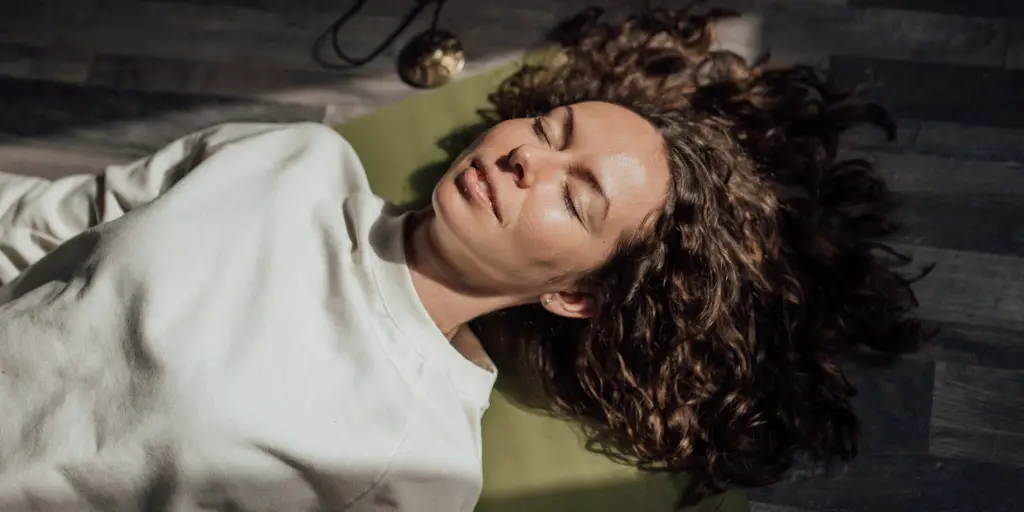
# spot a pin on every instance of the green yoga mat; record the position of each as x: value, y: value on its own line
x: 531, y: 463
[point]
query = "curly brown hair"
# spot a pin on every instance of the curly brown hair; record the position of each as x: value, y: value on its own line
x: 712, y: 349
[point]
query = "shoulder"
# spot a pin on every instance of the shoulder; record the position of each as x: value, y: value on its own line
x: 268, y: 139
x: 312, y: 150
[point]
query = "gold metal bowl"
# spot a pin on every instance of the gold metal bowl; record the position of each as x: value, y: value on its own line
x: 431, y: 59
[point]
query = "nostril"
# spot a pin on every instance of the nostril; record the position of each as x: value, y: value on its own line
x: 520, y: 172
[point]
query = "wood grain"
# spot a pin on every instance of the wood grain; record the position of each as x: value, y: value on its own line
x: 810, y: 32
x: 990, y: 9
x: 956, y: 203
x: 766, y: 507
x: 943, y: 138
x: 971, y: 287
x: 976, y: 414
x: 979, y: 345
x: 902, y: 482
x: 937, y: 92
x: 67, y: 64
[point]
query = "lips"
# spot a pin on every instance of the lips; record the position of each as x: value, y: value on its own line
x: 480, y: 187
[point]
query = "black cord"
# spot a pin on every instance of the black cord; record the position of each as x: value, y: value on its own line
x: 353, y: 62
x: 438, y: 5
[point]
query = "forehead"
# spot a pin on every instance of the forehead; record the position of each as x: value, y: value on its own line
x: 623, y: 148
x: 615, y: 130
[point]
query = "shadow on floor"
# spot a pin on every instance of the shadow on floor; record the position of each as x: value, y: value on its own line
x: 643, y: 495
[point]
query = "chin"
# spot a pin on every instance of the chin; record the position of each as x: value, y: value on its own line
x: 444, y: 198
x: 450, y: 210
x: 454, y: 216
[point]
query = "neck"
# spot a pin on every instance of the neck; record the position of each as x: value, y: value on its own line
x: 440, y: 286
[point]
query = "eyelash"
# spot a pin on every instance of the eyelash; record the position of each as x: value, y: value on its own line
x: 569, y: 204
x: 538, y: 127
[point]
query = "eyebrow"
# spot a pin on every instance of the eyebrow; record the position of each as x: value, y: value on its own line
x: 570, y: 125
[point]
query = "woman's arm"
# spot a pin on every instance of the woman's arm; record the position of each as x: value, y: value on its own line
x: 37, y: 215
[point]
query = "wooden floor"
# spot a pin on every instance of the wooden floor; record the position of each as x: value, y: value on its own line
x: 86, y: 83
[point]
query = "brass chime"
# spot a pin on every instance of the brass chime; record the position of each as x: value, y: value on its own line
x: 430, y: 59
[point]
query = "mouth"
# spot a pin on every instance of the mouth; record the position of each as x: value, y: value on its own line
x: 477, y: 184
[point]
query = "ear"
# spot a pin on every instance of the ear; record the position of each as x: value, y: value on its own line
x: 569, y: 304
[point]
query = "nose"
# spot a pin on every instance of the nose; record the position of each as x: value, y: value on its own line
x: 531, y: 164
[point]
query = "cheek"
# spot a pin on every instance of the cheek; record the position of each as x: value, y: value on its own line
x: 551, y: 238
x: 542, y: 221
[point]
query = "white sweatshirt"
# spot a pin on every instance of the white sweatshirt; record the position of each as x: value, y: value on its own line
x: 248, y: 340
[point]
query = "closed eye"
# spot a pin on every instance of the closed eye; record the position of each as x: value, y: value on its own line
x: 538, y: 128
x: 570, y: 204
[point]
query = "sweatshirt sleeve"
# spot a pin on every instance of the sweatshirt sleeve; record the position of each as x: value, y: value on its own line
x: 139, y: 480
x: 37, y: 215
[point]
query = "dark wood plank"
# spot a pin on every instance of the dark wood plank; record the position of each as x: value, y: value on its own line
x: 310, y: 87
x: 943, y: 138
x: 208, y: 32
x: 989, y: 223
x: 45, y: 22
x: 238, y: 50
x: 893, y: 402
x: 990, y: 347
x: 938, y: 92
x: 811, y: 31
x: 956, y: 203
x: 466, y: 11
x: 39, y: 116
x: 40, y: 109
x: 986, y: 8
x: 345, y: 95
x: 929, y: 174
x: 766, y: 507
x: 44, y: 63
x: 1015, y: 44
x: 53, y: 161
x: 284, y: 38
x: 998, y: 447
x: 901, y: 483
x: 488, y: 30
x: 977, y: 414
x: 971, y: 396
x: 269, y: 5
x: 971, y: 288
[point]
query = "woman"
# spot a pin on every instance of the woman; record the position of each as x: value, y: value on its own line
x: 660, y: 236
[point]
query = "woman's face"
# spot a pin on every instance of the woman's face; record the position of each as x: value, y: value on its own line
x: 535, y: 200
